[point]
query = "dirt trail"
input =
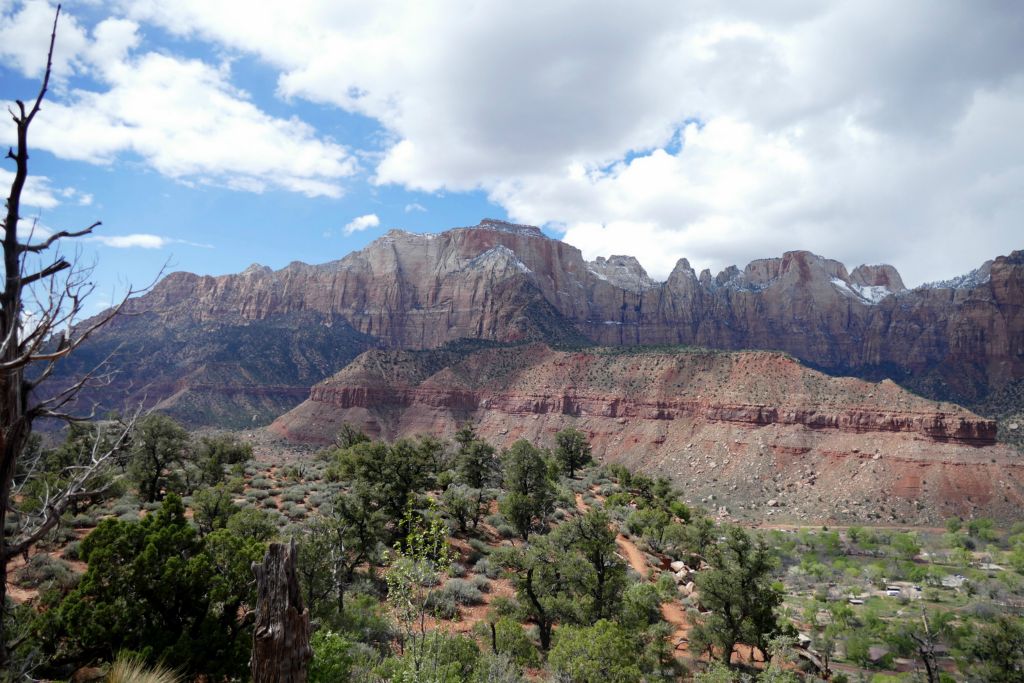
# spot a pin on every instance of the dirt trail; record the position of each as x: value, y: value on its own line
x: 672, y: 612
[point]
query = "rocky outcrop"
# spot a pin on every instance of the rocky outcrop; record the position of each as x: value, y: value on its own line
x: 497, y: 281
x: 740, y: 425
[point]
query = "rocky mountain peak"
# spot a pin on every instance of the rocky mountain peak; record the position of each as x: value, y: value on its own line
x: 622, y: 271
x: 882, y: 275
x: 505, y: 226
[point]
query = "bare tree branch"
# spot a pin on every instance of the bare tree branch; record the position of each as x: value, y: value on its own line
x: 43, y: 246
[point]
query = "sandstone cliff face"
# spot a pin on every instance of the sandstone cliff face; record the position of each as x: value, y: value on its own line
x: 959, y: 340
x: 747, y: 427
x: 496, y: 280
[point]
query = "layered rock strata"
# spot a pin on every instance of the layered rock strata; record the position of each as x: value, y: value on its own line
x: 959, y: 340
x: 743, y: 427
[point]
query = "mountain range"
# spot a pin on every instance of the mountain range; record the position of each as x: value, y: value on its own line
x: 230, y: 348
x: 791, y: 373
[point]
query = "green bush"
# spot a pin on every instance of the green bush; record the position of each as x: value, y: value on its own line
x: 463, y: 592
x: 332, y: 658
x: 442, y: 604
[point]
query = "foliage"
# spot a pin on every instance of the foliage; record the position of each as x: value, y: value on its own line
x: 129, y: 669
x: 475, y: 462
x: 157, y: 588
x: 334, y: 545
x: 390, y: 475
x: 332, y: 657
x: 530, y: 493
x: 214, y: 453
x: 158, y: 445
x: 598, y: 581
x: 997, y: 650
x: 212, y: 508
x: 419, y: 560
x: 540, y: 573
x: 252, y: 524
x: 602, y: 653
x: 572, y: 450
x: 739, y: 594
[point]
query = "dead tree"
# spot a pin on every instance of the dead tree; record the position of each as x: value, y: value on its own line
x: 280, y: 639
x: 41, y: 306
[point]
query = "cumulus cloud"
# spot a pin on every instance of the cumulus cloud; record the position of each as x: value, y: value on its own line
x: 415, y: 206
x: 862, y: 129
x: 361, y: 223
x: 183, y: 117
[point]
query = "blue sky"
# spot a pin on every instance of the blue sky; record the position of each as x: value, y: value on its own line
x: 209, y: 136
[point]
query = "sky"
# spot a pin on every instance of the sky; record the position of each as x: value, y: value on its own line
x: 208, y: 135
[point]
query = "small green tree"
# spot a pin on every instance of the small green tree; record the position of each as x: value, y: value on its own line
x: 530, y: 492
x: 540, y: 574
x: 391, y: 475
x: 158, y: 445
x: 573, y: 450
x: 738, y: 591
x: 212, y: 507
x: 602, y: 653
x: 996, y: 651
x: 475, y: 462
x: 213, y: 453
x: 460, y: 503
x: 155, y: 587
x: 601, y: 578
x: 418, y: 563
x: 334, y: 546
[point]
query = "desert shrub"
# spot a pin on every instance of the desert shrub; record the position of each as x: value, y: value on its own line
x: 83, y: 520
x: 60, y: 535
x: 42, y: 569
x: 257, y: 494
x: 457, y: 569
x: 479, y: 546
x: 513, y: 640
x: 463, y: 592
x: 260, y: 483
x: 130, y: 669
x: 481, y: 583
x: 295, y: 494
x: 71, y: 551
x: 506, y: 530
x: 666, y: 585
x: 443, y: 605
x: 123, y: 507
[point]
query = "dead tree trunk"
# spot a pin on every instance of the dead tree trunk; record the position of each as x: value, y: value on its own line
x: 280, y: 641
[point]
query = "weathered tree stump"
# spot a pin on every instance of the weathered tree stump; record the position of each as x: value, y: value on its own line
x: 280, y: 641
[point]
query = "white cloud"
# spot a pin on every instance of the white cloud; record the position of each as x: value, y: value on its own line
x: 39, y: 194
x: 183, y: 117
x: 361, y: 223
x: 415, y: 206
x: 866, y: 130
x: 862, y: 129
x: 25, y: 37
x: 141, y: 241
